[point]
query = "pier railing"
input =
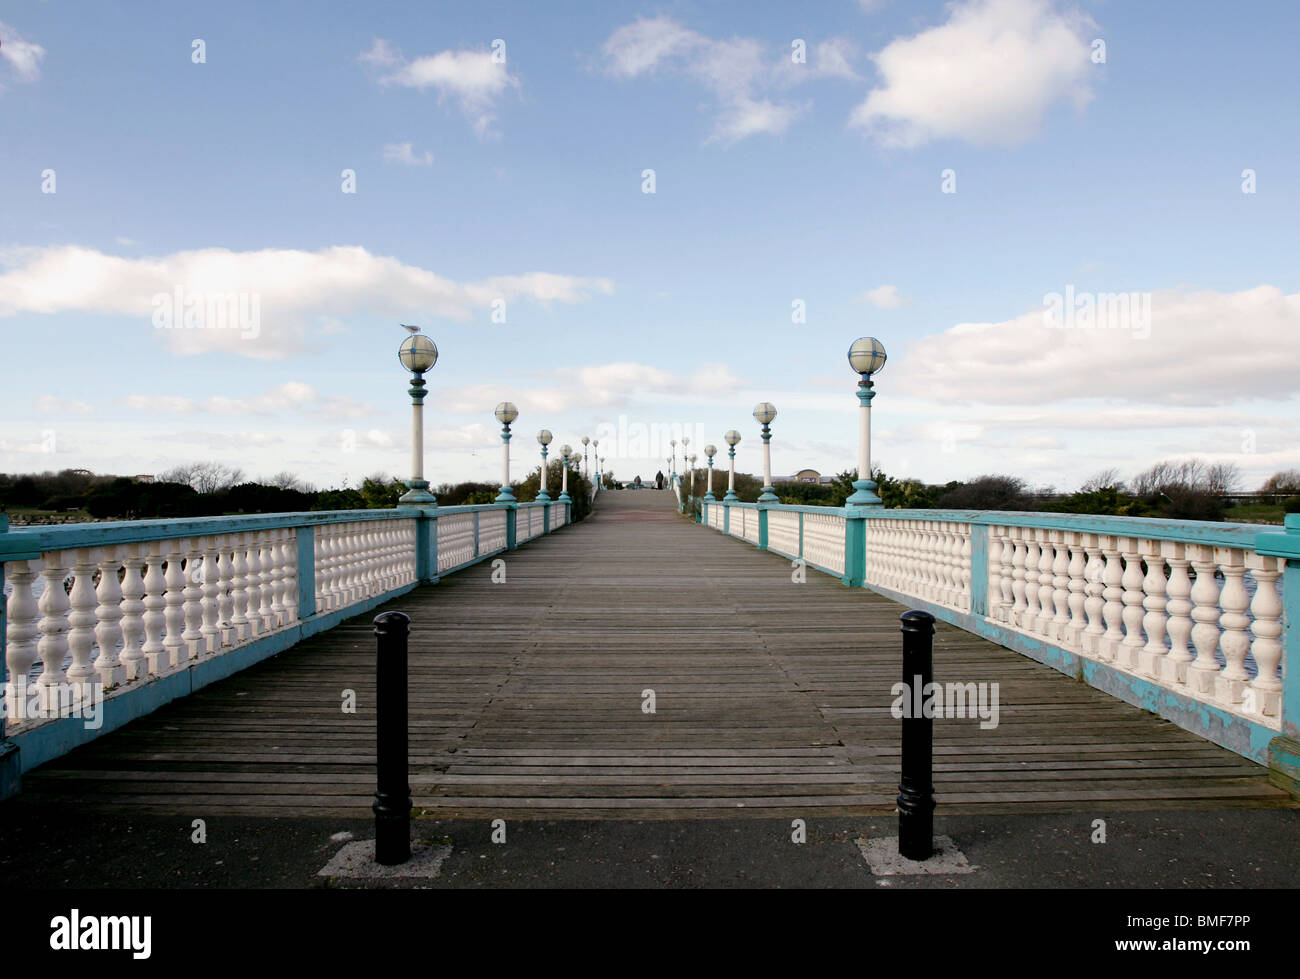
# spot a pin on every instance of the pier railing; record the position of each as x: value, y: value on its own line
x: 105, y: 622
x: 1187, y: 619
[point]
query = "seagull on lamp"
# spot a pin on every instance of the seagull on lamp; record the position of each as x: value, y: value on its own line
x: 409, y: 329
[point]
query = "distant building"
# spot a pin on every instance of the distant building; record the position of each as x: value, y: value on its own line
x: 144, y: 479
x: 805, y: 476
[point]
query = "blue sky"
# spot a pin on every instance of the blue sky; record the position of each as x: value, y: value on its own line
x: 482, y: 180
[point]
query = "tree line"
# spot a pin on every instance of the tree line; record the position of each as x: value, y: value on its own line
x: 212, y: 490
x: 1180, y: 490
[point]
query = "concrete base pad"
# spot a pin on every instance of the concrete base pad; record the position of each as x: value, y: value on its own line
x: 358, y: 860
x: 883, y: 858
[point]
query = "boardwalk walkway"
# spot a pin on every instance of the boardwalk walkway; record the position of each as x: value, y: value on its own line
x: 772, y: 698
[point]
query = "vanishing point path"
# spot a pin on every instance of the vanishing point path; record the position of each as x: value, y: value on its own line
x: 771, y: 698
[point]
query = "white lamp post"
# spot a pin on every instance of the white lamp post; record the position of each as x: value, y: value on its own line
x: 418, y: 354
x: 505, y: 414
x: 732, y: 438
x: 543, y: 439
x: 566, y: 452
x: 693, y: 458
x: 672, y: 463
x: 709, y: 452
x: 764, y: 413
x: 585, y: 442
x: 867, y: 357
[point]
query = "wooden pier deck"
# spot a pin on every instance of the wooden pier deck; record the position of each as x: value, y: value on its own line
x: 772, y: 698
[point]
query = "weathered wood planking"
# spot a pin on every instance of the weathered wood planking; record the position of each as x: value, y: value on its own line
x: 772, y: 698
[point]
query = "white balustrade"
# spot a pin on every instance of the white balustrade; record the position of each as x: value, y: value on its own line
x: 1202, y: 620
x: 783, y: 532
x: 823, y: 539
x: 491, y: 531
x: 110, y: 616
x: 455, y: 540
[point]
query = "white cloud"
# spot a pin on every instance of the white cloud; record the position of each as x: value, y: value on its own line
x: 883, y: 297
x: 595, y: 386
x: 290, y: 396
x: 987, y: 75
x: 736, y: 71
x: 475, y: 80
x: 1204, y: 348
x: 23, y: 56
x: 50, y: 405
x: 404, y: 153
x: 294, y: 288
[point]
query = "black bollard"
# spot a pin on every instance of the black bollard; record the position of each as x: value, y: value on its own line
x: 393, y: 796
x: 916, y: 787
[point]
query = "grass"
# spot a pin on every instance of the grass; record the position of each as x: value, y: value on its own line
x: 1270, y: 513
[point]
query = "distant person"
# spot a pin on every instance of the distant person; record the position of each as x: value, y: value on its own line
x: 659, y: 480
x: 637, y: 482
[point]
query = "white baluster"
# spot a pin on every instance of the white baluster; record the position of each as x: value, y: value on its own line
x: 322, y: 548
x: 1059, y: 627
x: 1155, y: 600
x: 1029, y: 617
x: 277, y: 613
x: 1230, y: 684
x: 1266, y: 607
x: 108, y: 618
x: 174, y: 615
x: 253, y: 585
x: 1174, y: 666
x: 1094, y: 604
x: 1113, y: 610
x: 1019, y: 584
x: 1202, y: 671
x: 239, y: 624
x: 289, y: 549
x: 1008, y: 575
x: 1046, y: 582
x: 23, y: 616
x: 210, y: 630
x: 192, y: 596
x: 964, y: 571
x: 994, y: 592
x: 134, y: 663
x: 1132, y: 581
x: 226, y: 591
x: 81, y: 625
x: 1078, y: 584
x: 270, y: 582
x: 53, y: 644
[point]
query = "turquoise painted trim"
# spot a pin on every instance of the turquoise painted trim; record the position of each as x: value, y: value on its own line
x: 979, y: 569
x: 855, y: 550
x: 1285, y: 545
x: 762, y: 528
x: 306, y: 573
x: 1189, y: 531
x: 799, y: 508
x: 512, y: 521
x: 726, y: 518
x: 546, y: 519
x: 1291, y: 641
x: 29, y: 543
